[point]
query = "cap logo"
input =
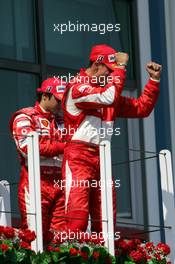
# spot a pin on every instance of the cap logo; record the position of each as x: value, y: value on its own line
x: 100, y: 58
x: 60, y: 88
x: 48, y: 89
x: 111, y: 58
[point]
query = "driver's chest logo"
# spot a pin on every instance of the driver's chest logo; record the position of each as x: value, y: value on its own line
x: 44, y: 123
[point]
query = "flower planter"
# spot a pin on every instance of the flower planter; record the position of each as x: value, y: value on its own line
x: 15, y: 248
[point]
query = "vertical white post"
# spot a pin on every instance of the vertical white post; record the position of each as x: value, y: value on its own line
x: 107, y: 197
x: 167, y: 187
x: 5, y: 218
x: 35, y: 190
x: 103, y: 193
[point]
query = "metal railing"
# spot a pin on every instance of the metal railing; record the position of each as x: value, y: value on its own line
x: 35, y: 212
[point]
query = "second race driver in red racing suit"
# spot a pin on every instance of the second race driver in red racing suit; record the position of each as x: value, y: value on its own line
x: 40, y: 118
x: 88, y: 107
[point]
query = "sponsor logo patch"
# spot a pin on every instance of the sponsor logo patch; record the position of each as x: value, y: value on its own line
x: 24, y: 131
x: 100, y: 58
x: 111, y: 58
x: 48, y: 89
x: 44, y: 122
x: 60, y: 88
x: 85, y: 88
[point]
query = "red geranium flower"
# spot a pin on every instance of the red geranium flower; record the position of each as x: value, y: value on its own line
x: 136, y: 256
x: 24, y: 245
x: 9, y: 232
x: 1, y: 229
x: 96, y: 254
x: 50, y: 248
x: 27, y: 235
x: 149, y: 246
x: 73, y: 251
x: 54, y: 242
x: 157, y: 256
x: 54, y: 249
x: 124, y: 245
x: 20, y: 233
x: 84, y: 254
x: 131, y: 245
x: 4, y: 247
x: 57, y: 249
x: 164, y: 248
x: 95, y: 240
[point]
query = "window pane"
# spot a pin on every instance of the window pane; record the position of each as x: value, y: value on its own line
x: 17, y: 91
x: 71, y: 48
x: 17, y: 39
x: 122, y: 172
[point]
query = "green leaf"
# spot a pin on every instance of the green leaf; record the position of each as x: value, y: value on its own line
x: 60, y: 259
x: 74, y: 259
x: 55, y: 256
x: 20, y: 256
x: 163, y: 261
x: 42, y: 258
x: 10, y: 257
x: 150, y: 262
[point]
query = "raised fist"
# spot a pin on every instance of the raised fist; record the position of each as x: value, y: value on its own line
x: 121, y: 57
x: 154, y: 70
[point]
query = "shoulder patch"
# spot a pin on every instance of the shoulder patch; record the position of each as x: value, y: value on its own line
x: 85, y: 88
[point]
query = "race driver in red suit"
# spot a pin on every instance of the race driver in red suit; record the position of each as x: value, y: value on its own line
x: 41, y: 119
x: 88, y: 106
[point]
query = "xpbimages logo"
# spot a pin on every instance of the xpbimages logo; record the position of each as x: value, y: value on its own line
x: 100, y: 133
x: 81, y: 183
x: 102, y: 80
x: 100, y: 28
x: 71, y: 235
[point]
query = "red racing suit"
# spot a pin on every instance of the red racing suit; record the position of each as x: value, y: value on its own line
x: 87, y: 108
x: 23, y: 122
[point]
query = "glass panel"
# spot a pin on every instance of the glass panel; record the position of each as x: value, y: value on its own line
x: 17, y: 91
x: 122, y: 172
x: 70, y: 49
x: 17, y: 30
